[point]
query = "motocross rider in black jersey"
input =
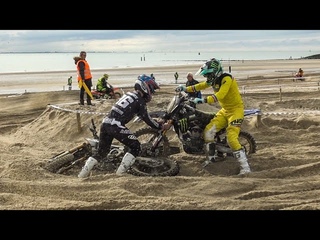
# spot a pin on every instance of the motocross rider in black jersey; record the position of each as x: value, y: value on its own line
x: 113, y: 126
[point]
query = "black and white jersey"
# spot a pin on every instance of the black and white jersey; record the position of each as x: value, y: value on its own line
x: 130, y: 105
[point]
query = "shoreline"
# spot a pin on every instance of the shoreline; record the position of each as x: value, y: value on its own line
x: 157, y: 66
x: 105, y: 69
x: 18, y: 83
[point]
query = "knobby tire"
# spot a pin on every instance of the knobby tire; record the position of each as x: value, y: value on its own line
x: 168, y: 168
x: 251, y: 146
x: 59, y: 162
x: 117, y: 95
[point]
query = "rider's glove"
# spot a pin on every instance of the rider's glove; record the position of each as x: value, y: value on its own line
x: 165, y: 126
x: 198, y: 100
x: 181, y: 88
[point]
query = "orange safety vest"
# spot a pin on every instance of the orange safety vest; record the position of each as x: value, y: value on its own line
x: 87, y: 72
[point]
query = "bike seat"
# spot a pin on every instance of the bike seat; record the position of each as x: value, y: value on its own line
x: 252, y: 112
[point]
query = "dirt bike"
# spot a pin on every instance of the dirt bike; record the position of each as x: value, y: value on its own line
x: 114, y: 93
x: 298, y: 76
x: 188, y: 123
x: 153, y: 161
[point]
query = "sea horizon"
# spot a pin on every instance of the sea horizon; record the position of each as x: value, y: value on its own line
x: 15, y: 62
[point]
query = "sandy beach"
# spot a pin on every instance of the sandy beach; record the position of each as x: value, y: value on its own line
x: 285, y: 168
x: 123, y: 77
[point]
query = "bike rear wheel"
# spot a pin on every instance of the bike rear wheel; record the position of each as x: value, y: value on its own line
x: 117, y: 95
x: 55, y: 164
x: 248, y: 142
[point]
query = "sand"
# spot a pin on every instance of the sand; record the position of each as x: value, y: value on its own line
x: 285, y: 168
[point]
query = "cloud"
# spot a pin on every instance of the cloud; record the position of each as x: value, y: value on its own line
x: 158, y: 40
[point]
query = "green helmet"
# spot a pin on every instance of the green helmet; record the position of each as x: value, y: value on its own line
x: 211, y: 69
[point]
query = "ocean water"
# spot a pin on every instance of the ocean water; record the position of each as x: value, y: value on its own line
x: 42, y: 62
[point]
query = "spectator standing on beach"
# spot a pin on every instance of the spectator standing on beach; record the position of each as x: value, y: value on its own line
x: 176, y: 75
x: 84, y: 76
x: 230, y: 116
x: 191, y: 82
x: 70, y: 82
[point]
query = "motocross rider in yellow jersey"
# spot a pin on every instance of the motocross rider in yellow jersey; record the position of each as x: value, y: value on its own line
x: 231, y: 114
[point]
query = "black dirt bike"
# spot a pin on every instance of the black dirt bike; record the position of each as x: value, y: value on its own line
x: 153, y: 161
x: 188, y: 123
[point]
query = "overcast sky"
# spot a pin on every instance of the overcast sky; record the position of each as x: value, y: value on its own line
x: 159, y: 40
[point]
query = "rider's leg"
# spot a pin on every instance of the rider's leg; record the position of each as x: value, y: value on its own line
x: 209, y: 133
x: 105, y: 141
x: 127, y: 161
x: 241, y: 157
x: 90, y: 163
x: 233, y: 131
x: 129, y: 158
x: 210, y: 150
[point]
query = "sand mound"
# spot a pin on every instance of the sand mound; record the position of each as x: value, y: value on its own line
x: 285, y: 167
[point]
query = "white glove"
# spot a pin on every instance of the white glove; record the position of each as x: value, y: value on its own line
x: 181, y: 88
x: 198, y: 100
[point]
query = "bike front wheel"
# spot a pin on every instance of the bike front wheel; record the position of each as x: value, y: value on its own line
x: 160, y: 167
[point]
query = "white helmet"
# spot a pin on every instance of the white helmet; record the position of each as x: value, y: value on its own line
x: 144, y: 88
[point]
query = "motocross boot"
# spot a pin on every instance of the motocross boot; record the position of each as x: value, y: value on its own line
x: 241, y: 157
x: 127, y: 161
x: 210, y: 150
x: 90, y: 163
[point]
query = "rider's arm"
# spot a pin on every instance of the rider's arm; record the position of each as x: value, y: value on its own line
x: 144, y: 115
x: 197, y: 87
